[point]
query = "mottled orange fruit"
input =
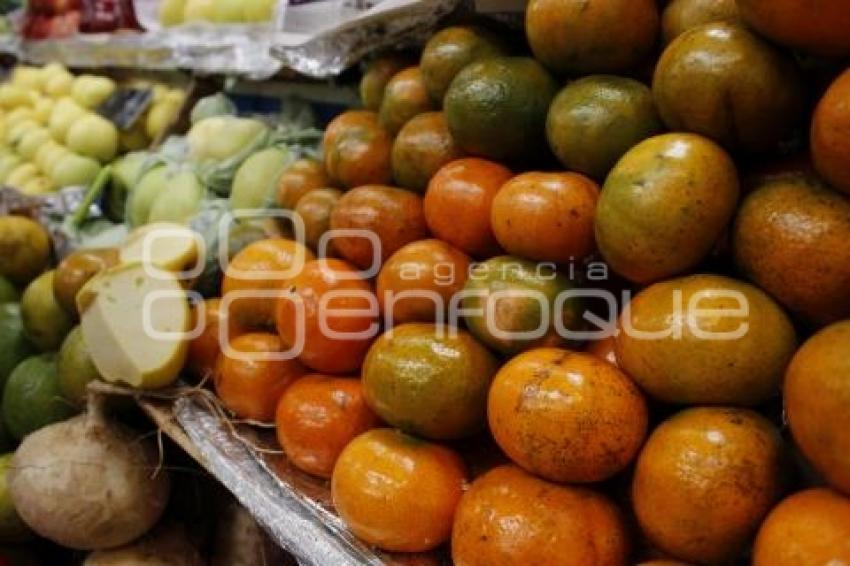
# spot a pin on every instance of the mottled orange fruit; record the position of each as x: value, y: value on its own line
x: 819, y: 27
x: 591, y: 36
x: 509, y: 517
x: 792, y: 238
x: 378, y: 74
x: 250, y: 386
x: 404, y: 98
x: 421, y: 148
x: 301, y: 177
x: 317, y: 417
x: 396, y: 492
x: 817, y: 393
x: 315, y: 209
x: 706, y: 340
x: 260, y: 267
x: 705, y: 480
x: 546, y: 216
x: 419, y: 281
x: 459, y: 202
x: 724, y: 82
x: 330, y: 314
x: 647, y: 227
x: 392, y: 216
x: 566, y: 416
x: 429, y: 380
x: 810, y: 527
x: 682, y: 15
x: 358, y: 150
x: 605, y: 349
x: 831, y: 134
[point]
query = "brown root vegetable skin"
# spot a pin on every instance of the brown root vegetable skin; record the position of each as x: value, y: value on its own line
x: 166, y: 546
x: 88, y: 483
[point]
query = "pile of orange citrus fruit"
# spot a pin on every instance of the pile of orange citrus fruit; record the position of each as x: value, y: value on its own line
x: 617, y: 257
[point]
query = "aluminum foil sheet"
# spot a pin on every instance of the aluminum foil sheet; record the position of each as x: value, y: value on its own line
x: 321, y: 39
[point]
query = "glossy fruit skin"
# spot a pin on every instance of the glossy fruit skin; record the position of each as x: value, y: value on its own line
x: 593, y: 121
x: 546, y: 216
x: 262, y: 266
x: 665, y: 205
x: 75, y: 270
x: 566, y: 416
x: 397, y: 492
x: 24, y: 249
x: 322, y: 287
x: 301, y: 177
x: 722, y: 81
x: 317, y: 417
x: 205, y: 349
x: 421, y: 148
x: 830, y: 136
x: 705, y: 480
x: 357, y: 150
x: 450, y: 50
x: 404, y: 98
x: 817, y: 390
x: 250, y: 388
x: 459, y: 201
x: 508, y: 516
x: 441, y: 396
x: 496, y: 108
x: 809, y: 527
x: 693, y: 366
x: 792, y: 239
x: 591, y: 36
x: 507, y: 294
x: 682, y: 15
x: 375, y: 79
x: 315, y: 209
x: 415, y: 276
x: 394, y: 215
x: 605, y: 349
x: 819, y: 28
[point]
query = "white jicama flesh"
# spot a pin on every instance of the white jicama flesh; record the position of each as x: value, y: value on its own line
x: 88, y: 483
x: 136, y: 325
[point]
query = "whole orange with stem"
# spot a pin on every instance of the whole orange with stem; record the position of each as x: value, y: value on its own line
x: 204, y: 350
x: 418, y: 282
x: 705, y: 480
x: 546, y: 216
x: 421, y: 148
x: 404, y: 97
x: 317, y: 417
x: 396, y: 492
x: 817, y: 393
x: 507, y: 516
x: 817, y: 27
x: 299, y: 178
x: 591, y: 36
x: 358, y: 150
x: 458, y: 204
x: 382, y: 216
x: 809, y: 527
x: 566, y: 416
x: 253, y: 373
x: 260, y: 269
x: 330, y: 315
x: 831, y: 134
